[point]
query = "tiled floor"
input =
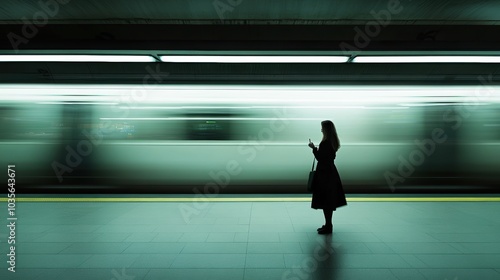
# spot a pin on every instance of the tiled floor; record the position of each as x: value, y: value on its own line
x: 254, y: 240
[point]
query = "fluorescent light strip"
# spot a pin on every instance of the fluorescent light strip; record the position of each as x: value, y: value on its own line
x: 241, y: 107
x: 232, y: 143
x: 78, y: 103
x: 202, y: 143
x: 224, y: 96
x: 426, y: 59
x: 77, y: 58
x: 252, y: 59
x: 257, y: 107
x: 259, y: 92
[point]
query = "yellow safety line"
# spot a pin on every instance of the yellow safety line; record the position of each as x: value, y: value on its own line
x: 249, y: 199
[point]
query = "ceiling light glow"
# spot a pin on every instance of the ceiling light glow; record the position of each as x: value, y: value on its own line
x: 253, y: 59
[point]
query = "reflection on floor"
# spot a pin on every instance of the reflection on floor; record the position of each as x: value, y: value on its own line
x: 253, y: 240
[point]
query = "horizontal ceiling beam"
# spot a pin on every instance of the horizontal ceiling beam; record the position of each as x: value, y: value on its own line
x: 251, y: 37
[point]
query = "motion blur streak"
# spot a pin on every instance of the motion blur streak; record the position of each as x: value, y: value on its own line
x: 172, y: 139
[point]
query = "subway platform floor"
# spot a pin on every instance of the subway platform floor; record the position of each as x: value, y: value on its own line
x: 270, y: 239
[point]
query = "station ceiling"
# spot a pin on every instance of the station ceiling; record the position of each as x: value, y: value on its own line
x: 310, y: 12
x: 157, y: 27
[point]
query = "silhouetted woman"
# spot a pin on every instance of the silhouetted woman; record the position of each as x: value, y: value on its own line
x: 327, y: 191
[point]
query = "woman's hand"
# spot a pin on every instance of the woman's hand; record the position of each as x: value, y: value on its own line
x: 311, y: 145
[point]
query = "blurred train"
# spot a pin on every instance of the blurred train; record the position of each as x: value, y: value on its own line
x: 248, y: 138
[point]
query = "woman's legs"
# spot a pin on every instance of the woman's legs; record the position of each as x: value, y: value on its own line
x: 328, y: 217
x: 328, y: 227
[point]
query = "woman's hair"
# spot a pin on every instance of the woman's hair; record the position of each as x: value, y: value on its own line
x: 330, y: 134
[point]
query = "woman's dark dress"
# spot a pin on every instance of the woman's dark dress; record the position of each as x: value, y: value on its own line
x: 327, y: 190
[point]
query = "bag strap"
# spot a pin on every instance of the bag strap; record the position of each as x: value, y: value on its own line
x: 314, y: 160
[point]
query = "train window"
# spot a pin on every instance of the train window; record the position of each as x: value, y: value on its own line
x: 173, y: 123
x: 30, y: 122
x: 208, y: 127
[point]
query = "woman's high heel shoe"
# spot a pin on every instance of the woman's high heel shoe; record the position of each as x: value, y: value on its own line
x: 326, y: 230
x: 322, y: 227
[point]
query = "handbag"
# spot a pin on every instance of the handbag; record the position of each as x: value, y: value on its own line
x: 311, y: 178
